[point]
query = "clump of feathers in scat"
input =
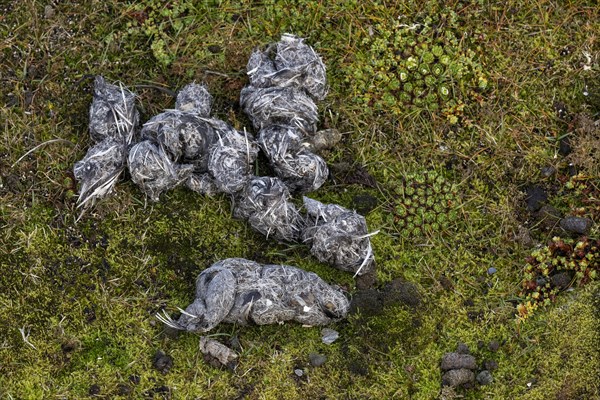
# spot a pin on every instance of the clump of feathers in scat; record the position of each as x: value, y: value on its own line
x: 113, y: 126
x: 244, y: 292
x: 207, y: 154
x: 338, y: 237
x: 285, y: 80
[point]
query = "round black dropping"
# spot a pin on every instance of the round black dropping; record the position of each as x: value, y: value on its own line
x: 214, y: 49
x: 94, y: 390
x: 162, y: 362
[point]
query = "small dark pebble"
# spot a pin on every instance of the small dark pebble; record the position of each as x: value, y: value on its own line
x: 494, y: 346
x: 480, y: 344
x: 490, y: 365
x: 564, y: 146
x: 162, y: 362
x: 316, y: 359
x: 463, y: 349
x: 214, y: 49
x: 562, y: 280
x: 572, y: 169
x: 458, y: 377
x: 94, y: 390
x: 578, y: 225
x: 535, y: 197
x: 485, y: 377
x: 458, y: 361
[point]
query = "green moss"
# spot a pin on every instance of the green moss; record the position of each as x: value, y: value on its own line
x: 468, y: 94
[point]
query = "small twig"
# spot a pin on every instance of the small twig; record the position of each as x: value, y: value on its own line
x: 37, y: 147
x: 26, y: 337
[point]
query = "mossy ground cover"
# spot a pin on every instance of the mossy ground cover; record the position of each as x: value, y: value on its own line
x: 78, y: 297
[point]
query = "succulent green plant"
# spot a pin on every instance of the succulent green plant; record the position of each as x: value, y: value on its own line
x: 421, y: 204
x: 557, y: 267
x: 422, y: 65
x: 160, y: 21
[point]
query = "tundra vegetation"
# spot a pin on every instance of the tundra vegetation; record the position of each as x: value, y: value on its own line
x: 468, y: 134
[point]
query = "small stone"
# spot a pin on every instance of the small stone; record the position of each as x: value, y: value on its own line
x: 485, y: 377
x: 491, y: 271
x: 578, y: 225
x: 298, y: 372
x: 564, y: 146
x: 316, y: 359
x: 463, y: 349
x: 494, y: 346
x: 458, y: 361
x: 325, y: 139
x: 458, y: 377
x: 328, y: 336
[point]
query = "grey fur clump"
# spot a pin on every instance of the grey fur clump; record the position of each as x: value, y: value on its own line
x: 183, y: 135
x: 231, y: 158
x: 293, y: 64
x: 100, y: 169
x: 338, y: 236
x: 280, y: 106
x: 112, y: 113
x: 152, y: 170
x: 243, y: 292
x: 284, y: 81
x: 264, y: 202
x: 300, y: 169
x: 113, y: 126
x: 194, y: 98
x: 221, y: 157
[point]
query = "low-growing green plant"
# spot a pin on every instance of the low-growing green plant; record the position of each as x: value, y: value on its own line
x: 421, y: 204
x: 556, y: 267
x: 422, y: 64
x: 160, y: 21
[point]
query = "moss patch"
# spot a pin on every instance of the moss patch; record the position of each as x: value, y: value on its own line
x: 80, y: 293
